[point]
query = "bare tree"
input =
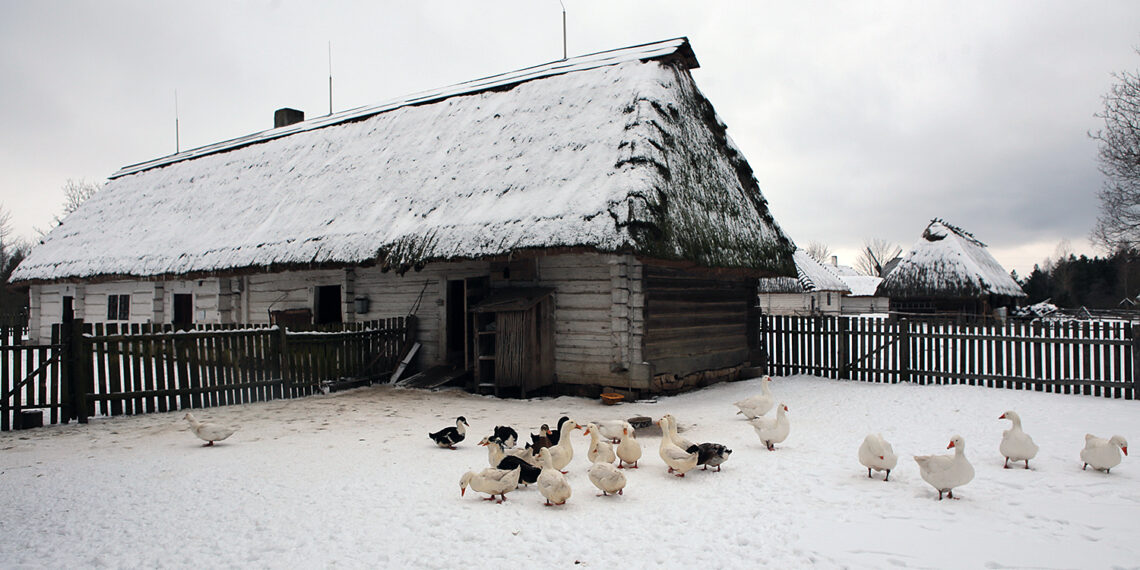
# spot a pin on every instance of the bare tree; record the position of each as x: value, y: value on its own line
x: 875, y: 255
x: 1118, y: 226
x: 818, y: 251
x: 76, y: 192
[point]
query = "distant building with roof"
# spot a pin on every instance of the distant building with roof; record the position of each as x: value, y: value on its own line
x: 863, y: 298
x: 948, y: 270
x: 816, y: 290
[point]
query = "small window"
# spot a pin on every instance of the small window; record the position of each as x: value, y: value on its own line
x: 118, y: 307
x: 829, y: 299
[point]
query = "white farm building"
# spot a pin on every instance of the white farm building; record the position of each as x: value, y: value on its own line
x: 600, y: 196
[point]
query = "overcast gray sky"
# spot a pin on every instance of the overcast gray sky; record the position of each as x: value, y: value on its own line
x: 861, y: 120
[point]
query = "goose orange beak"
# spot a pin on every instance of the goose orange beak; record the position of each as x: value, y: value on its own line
x: 1002, y: 417
x: 463, y: 491
x: 1125, y: 450
x: 951, y: 445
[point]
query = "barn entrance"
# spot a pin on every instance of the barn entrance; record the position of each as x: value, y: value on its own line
x: 462, y: 294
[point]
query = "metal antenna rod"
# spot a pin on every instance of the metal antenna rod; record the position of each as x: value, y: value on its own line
x: 330, y: 77
x: 563, y: 30
x: 176, y: 141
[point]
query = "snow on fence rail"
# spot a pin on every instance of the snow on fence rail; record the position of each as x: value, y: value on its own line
x: 1092, y: 358
x: 110, y: 370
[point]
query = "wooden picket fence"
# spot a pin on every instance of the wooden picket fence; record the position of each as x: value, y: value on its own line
x: 109, y: 370
x: 1092, y: 358
x: 13, y: 327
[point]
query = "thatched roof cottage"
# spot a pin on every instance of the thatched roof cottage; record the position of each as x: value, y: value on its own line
x: 949, y: 271
x: 604, y: 187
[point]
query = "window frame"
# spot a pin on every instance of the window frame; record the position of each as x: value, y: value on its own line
x: 119, y: 307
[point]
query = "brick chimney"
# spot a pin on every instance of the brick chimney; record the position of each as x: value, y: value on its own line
x: 285, y: 117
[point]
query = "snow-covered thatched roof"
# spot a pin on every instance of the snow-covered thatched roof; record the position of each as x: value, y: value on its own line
x: 948, y: 262
x: 812, y: 276
x: 861, y: 285
x: 617, y: 151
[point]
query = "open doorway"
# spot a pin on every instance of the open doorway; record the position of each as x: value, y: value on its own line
x: 183, y: 311
x: 328, y: 305
x: 461, y: 295
x: 68, y: 309
x: 456, y: 315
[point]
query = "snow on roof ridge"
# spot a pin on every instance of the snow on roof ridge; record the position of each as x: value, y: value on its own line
x: 653, y: 50
x: 930, y: 233
x: 960, y: 265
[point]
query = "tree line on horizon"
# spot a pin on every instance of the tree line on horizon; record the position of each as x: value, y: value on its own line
x: 1071, y: 282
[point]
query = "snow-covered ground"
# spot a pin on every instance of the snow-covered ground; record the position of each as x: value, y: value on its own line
x: 352, y: 480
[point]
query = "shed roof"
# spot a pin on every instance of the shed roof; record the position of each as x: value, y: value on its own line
x: 812, y: 276
x: 617, y: 151
x: 948, y: 262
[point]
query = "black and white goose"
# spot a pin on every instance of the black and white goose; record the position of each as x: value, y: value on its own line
x: 528, y: 474
x: 449, y: 436
x: 555, y: 434
x: 712, y: 455
x: 506, y: 435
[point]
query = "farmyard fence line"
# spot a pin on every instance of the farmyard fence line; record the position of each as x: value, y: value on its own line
x: 104, y: 370
x: 1092, y: 358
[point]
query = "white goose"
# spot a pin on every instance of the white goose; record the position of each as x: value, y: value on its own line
x: 491, y: 481
x: 678, y: 460
x: 606, y: 478
x: 628, y: 449
x: 612, y: 429
x: 1103, y: 454
x: 600, y: 451
x: 208, y: 432
x: 562, y: 452
x: 1016, y: 445
x: 945, y: 472
x: 876, y: 453
x: 772, y: 430
x: 670, y: 431
x: 758, y: 405
x: 551, y: 482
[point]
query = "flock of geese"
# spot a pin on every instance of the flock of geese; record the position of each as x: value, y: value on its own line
x: 613, y: 448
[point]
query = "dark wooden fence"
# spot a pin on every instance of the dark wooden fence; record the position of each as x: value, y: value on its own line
x: 110, y: 370
x: 1092, y: 358
x: 13, y: 327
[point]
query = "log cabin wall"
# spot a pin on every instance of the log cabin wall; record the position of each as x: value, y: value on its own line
x: 696, y: 321
x: 592, y: 344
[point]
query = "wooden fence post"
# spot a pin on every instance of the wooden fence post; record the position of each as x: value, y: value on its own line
x: 1133, y: 392
x: 76, y: 369
x: 282, y: 347
x: 842, y: 358
x: 904, y: 350
x: 762, y: 343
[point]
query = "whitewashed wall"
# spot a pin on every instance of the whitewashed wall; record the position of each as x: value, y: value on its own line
x: 866, y: 305
x: 599, y: 305
x: 801, y: 303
